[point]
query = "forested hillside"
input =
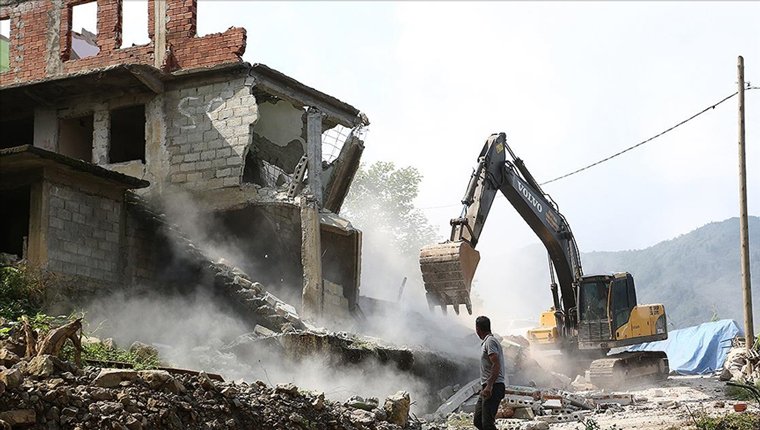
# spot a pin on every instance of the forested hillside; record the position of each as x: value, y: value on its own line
x: 697, y: 276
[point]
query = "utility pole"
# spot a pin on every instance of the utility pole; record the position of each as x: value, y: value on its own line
x: 749, y: 333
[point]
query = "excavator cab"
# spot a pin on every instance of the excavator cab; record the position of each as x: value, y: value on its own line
x: 609, y: 317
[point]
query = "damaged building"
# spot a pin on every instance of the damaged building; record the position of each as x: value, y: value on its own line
x: 95, y: 135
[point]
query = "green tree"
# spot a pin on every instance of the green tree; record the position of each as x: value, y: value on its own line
x: 381, y: 204
x: 382, y: 198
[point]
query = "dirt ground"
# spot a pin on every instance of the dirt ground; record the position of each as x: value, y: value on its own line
x: 668, y: 405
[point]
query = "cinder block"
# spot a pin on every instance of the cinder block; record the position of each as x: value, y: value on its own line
x: 233, y: 101
x: 234, y: 121
x: 208, y: 155
x: 64, y: 214
x: 55, y: 202
x: 215, y: 183
x: 250, y: 118
x: 71, y: 205
x: 56, y: 223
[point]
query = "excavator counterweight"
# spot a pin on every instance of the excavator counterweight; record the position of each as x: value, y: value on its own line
x: 447, y: 271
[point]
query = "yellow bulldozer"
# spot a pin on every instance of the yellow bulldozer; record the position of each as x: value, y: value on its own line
x: 590, y: 314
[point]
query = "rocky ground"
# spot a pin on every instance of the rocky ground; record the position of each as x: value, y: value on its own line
x: 668, y: 405
x: 47, y: 393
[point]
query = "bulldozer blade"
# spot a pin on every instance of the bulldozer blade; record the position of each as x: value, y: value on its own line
x: 447, y: 271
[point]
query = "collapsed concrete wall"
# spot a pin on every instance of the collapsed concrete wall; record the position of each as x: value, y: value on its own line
x: 186, y: 114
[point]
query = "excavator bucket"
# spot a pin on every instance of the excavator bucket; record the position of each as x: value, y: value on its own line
x: 447, y: 271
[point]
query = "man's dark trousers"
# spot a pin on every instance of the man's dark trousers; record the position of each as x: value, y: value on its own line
x: 485, y: 409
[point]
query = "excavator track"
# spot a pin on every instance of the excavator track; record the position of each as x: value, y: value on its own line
x: 619, y: 369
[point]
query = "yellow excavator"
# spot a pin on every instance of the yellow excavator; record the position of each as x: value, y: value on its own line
x: 590, y: 314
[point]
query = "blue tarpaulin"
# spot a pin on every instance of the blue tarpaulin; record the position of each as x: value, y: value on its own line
x: 696, y: 350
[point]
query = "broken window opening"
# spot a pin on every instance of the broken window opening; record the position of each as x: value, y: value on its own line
x: 14, y: 230
x: 75, y: 137
x: 332, y: 142
x: 17, y: 132
x: 262, y: 173
x: 84, y: 42
x: 134, y: 23
x: 5, y: 45
x: 127, y: 134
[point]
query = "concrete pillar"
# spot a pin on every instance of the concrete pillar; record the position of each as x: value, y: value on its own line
x: 46, y: 129
x: 101, y: 135
x: 314, y: 152
x: 157, y: 157
x: 312, y: 297
x: 159, y: 32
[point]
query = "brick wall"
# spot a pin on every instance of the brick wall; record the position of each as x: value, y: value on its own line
x: 40, y: 42
x: 84, y: 234
x: 207, y: 132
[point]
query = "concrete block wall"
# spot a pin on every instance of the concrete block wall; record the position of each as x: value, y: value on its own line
x: 207, y: 132
x: 83, y: 233
x: 143, y: 250
x: 40, y: 42
x: 335, y: 303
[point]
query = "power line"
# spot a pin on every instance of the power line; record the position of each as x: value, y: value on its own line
x: 713, y: 106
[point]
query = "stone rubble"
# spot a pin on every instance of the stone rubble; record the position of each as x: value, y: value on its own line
x: 741, y: 365
x: 90, y: 398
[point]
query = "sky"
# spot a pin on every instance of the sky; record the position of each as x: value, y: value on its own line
x: 569, y: 83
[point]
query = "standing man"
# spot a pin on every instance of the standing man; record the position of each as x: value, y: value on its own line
x: 492, y: 378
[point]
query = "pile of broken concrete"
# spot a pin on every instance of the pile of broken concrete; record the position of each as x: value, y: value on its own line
x: 741, y: 365
x: 50, y: 393
x: 40, y: 390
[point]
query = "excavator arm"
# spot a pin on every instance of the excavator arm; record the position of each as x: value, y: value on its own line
x: 448, y: 268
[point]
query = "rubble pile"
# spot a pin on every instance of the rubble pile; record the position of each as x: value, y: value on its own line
x: 50, y: 393
x: 529, y: 403
x: 741, y: 365
x: 40, y: 390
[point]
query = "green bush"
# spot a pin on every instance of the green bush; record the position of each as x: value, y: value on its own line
x: 98, y: 351
x: 21, y: 292
x: 732, y: 421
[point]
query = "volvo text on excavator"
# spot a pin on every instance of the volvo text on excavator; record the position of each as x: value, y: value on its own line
x: 590, y: 314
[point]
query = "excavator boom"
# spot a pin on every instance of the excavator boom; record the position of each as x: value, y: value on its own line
x: 448, y: 268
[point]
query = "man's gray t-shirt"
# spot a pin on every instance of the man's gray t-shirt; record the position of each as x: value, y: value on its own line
x: 488, y: 346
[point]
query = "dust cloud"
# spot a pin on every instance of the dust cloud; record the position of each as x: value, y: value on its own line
x: 194, y: 331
